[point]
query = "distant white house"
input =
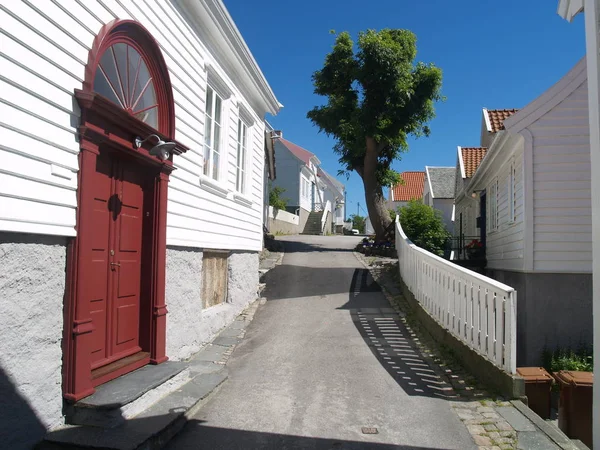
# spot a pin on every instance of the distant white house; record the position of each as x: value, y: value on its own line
x: 335, y: 193
x: 131, y: 192
x: 529, y: 201
x: 311, y: 193
x: 438, y: 192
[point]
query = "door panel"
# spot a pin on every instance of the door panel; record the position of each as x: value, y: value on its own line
x: 126, y: 316
x: 128, y: 259
x: 94, y: 276
x: 110, y: 278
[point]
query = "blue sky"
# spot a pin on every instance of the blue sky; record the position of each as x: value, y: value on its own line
x: 499, y: 54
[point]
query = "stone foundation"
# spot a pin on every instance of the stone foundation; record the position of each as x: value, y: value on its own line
x: 554, y: 310
x: 32, y: 288
x: 189, y: 326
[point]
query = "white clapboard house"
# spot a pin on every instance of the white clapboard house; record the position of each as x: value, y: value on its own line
x: 527, y: 199
x: 131, y: 191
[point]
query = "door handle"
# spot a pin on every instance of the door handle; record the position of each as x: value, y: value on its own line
x: 112, y: 265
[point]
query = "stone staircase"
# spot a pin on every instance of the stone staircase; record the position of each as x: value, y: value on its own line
x: 313, y: 224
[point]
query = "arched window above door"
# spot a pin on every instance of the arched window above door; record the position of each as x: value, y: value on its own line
x: 122, y: 76
x: 126, y: 67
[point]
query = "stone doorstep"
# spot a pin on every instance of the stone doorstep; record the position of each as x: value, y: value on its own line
x: 147, y: 407
x: 125, y: 397
x: 151, y: 429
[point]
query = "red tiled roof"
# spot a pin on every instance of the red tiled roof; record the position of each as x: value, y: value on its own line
x: 411, y: 189
x: 497, y: 117
x: 301, y: 153
x: 472, y: 157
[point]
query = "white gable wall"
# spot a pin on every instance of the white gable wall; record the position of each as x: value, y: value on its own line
x: 42, y: 61
x: 562, y: 186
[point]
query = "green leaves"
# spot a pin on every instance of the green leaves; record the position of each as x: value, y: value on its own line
x: 374, y: 89
x: 424, y: 227
x: 275, y: 199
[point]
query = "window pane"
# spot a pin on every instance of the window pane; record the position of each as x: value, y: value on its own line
x: 120, y: 51
x: 132, y: 72
x: 243, y: 187
x: 217, y: 141
x: 206, y: 169
x: 209, y: 101
x: 208, y: 131
x: 102, y: 87
x: 143, y: 77
x: 215, y: 165
x: 147, y: 99
x: 107, y: 63
x: 217, y: 109
x: 150, y: 116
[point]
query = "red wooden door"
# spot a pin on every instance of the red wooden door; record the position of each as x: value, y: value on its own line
x: 112, y: 270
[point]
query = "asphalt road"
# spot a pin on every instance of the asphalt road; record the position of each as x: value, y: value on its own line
x: 325, y: 357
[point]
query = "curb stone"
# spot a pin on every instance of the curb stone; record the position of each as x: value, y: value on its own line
x: 493, y: 422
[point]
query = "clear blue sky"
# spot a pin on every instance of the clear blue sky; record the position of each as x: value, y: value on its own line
x: 494, y: 54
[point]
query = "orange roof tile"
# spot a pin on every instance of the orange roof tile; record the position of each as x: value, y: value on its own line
x: 411, y: 189
x: 497, y: 117
x: 472, y: 157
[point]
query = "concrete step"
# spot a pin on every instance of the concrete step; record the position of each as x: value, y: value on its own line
x: 151, y: 429
x: 161, y: 412
x: 127, y: 396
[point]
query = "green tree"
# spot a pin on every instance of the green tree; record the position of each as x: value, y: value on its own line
x: 358, y: 222
x: 275, y: 199
x: 424, y: 226
x: 376, y: 98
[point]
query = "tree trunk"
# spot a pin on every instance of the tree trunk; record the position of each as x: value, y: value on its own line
x: 378, y: 212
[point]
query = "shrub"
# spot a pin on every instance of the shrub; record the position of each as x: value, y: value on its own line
x: 424, y: 227
x: 564, y: 359
x: 275, y: 199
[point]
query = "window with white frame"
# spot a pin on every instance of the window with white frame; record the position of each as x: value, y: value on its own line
x: 512, y: 193
x: 242, y: 139
x: 212, y: 134
x: 493, y: 205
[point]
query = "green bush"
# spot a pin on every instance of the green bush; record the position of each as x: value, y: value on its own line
x: 424, y: 227
x: 566, y: 359
x: 275, y: 199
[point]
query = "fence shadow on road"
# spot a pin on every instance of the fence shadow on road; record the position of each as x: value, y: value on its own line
x: 197, y: 436
x: 390, y: 341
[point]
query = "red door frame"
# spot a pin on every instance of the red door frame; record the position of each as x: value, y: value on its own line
x: 105, y: 124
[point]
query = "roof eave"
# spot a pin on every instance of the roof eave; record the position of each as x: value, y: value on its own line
x: 216, y: 27
x: 568, y: 9
x: 549, y: 99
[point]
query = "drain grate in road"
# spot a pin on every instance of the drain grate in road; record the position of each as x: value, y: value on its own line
x: 370, y: 430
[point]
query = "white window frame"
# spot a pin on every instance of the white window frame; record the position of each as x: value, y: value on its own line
x: 512, y: 193
x: 241, y: 160
x: 208, y: 169
x: 493, y: 205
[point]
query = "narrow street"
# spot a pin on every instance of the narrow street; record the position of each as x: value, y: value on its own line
x: 325, y: 357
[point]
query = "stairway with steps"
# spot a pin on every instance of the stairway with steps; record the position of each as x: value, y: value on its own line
x: 313, y: 224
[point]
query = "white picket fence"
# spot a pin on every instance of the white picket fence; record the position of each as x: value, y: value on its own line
x: 479, y: 311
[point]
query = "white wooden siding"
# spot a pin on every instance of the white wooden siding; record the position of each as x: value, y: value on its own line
x: 562, y: 187
x: 44, y: 47
x: 505, y: 244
